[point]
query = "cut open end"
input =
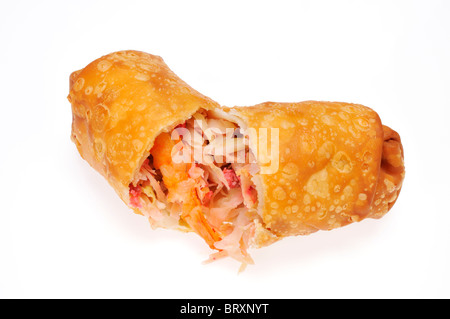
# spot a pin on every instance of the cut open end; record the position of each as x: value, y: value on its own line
x: 202, y: 176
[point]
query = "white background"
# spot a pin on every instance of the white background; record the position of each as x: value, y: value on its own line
x: 63, y: 231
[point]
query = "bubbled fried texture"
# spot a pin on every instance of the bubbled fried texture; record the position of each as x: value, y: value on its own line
x: 338, y: 165
x: 120, y: 104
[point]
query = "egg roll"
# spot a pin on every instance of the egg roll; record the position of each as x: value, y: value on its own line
x: 120, y: 103
x: 239, y: 177
x: 337, y: 164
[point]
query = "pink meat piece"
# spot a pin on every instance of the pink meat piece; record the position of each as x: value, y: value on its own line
x: 231, y: 177
x: 135, y: 193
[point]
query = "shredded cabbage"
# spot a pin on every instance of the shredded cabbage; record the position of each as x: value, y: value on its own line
x: 225, y: 192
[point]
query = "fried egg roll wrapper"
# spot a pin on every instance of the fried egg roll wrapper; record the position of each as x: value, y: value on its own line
x: 120, y: 103
x: 337, y: 165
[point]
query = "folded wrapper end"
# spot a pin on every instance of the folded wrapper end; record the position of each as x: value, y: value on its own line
x: 73, y: 77
x: 392, y: 173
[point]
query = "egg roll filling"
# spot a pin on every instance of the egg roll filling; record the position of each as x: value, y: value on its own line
x: 198, y: 177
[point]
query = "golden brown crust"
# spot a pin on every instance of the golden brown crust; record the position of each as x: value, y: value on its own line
x: 338, y: 165
x: 120, y: 103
